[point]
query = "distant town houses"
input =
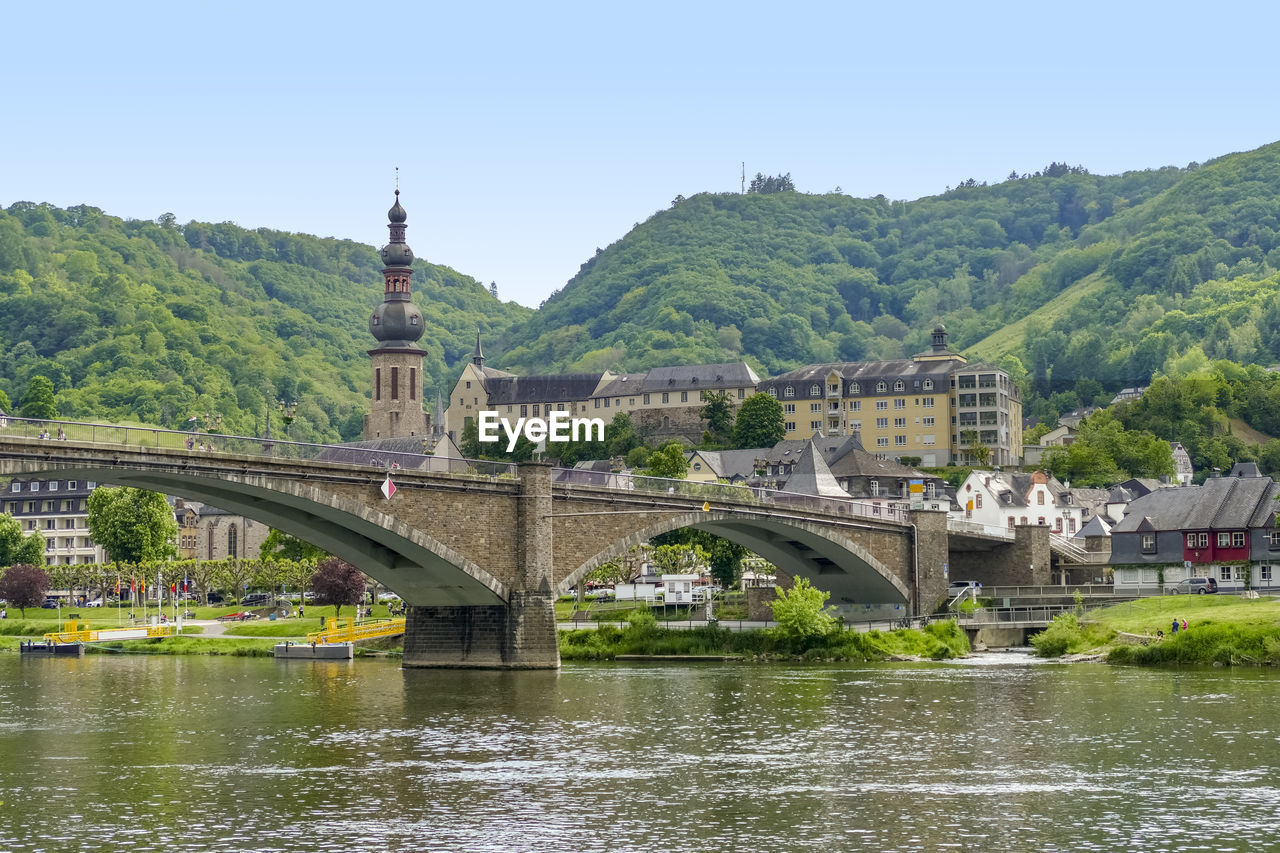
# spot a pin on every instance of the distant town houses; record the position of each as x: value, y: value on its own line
x: 934, y: 406
x: 663, y: 403
x: 1224, y: 529
x: 1011, y: 499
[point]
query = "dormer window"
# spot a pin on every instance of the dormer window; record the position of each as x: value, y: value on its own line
x: 881, y: 387
x: 788, y: 391
x: 855, y: 388
x: 928, y: 385
x: 773, y: 392
x: 899, y: 385
x: 815, y: 390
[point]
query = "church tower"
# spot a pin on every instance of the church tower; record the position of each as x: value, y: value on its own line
x: 396, y: 410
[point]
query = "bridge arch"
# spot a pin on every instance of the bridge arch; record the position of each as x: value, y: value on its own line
x: 413, y: 564
x: 831, y: 561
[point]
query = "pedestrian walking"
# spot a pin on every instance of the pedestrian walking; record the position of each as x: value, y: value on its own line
x: 1175, y: 626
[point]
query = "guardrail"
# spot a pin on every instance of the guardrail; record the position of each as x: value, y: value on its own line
x: 994, y: 531
x: 775, y: 498
x: 347, y: 631
x: 1009, y: 615
x: 214, y: 443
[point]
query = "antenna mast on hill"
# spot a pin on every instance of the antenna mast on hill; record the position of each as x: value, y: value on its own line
x: 397, y: 180
x: 744, y: 177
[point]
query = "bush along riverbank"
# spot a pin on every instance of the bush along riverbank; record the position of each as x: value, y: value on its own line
x: 1221, y: 630
x: 643, y: 636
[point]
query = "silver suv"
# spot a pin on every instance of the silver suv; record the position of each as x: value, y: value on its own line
x: 1200, y: 586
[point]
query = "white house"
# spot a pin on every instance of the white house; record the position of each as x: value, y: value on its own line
x: 1007, y: 499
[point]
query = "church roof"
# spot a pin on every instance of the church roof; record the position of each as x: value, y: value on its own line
x: 557, y: 388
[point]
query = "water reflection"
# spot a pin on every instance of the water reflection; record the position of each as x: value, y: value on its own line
x: 193, y: 754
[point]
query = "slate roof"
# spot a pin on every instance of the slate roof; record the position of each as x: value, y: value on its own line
x: 698, y: 377
x: 730, y: 464
x: 557, y: 388
x: 859, y: 463
x: 866, y: 373
x: 622, y: 385
x: 811, y: 476
x: 1096, y: 526
x: 1222, y: 503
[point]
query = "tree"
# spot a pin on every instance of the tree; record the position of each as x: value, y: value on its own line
x: 280, y: 545
x: 38, y: 402
x: 717, y: 411
x: 133, y: 525
x: 668, y: 461
x: 725, y: 559
x: 678, y: 559
x: 801, y: 611
x: 24, y: 586
x: 972, y: 441
x: 759, y: 422
x: 762, y: 183
x: 17, y: 547
x: 336, y: 582
x: 5, y: 405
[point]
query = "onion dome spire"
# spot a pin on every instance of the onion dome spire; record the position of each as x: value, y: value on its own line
x: 396, y: 323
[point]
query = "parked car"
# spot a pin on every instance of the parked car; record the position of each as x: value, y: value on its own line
x: 1199, y: 586
x: 97, y: 602
x: 257, y: 599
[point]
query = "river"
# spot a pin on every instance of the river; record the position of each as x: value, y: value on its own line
x: 1003, y: 753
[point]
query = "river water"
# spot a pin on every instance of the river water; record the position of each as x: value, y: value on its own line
x: 1001, y: 753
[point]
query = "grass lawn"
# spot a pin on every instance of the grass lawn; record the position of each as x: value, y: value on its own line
x: 286, y: 628
x: 1147, y: 615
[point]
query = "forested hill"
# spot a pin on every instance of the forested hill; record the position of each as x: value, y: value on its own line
x: 155, y: 322
x: 1112, y: 276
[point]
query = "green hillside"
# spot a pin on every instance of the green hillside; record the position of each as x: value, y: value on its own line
x: 155, y: 322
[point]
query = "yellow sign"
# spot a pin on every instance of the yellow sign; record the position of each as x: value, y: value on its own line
x: 706, y: 506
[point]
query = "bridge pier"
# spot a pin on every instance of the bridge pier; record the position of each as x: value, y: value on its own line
x: 1023, y: 562
x: 522, y: 633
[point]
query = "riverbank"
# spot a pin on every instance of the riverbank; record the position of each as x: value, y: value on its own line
x: 644, y: 637
x: 1221, y: 630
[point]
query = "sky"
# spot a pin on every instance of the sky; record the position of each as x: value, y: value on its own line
x: 529, y: 135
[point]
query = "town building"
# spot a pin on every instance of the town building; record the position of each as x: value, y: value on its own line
x: 934, y: 406
x: 59, y: 510
x: 1224, y: 529
x: 663, y: 403
x: 1009, y: 499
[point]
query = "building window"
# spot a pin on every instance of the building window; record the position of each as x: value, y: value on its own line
x: 789, y: 408
x: 814, y: 408
x: 53, y: 485
x: 773, y: 392
x: 1224, y: 540
x: 815, y: 425
x: 1237, y: 539
x: 1040, y: 521
x: 875, y: 488
x: 882, y: 441
x: 684, y: 396
x: 1013, y: 522
x: 233, y: 543
x: 1264, y: 573
x: 856, y: 426
x: 1040, y: 498
x: 855, y: 405
x: 742, y: 393
x: 413, y: 380
x: 815, y: 390
x: 1273, y: 539
x: 928, y: 422
x: 377, y: 383
x: 899, y: 441
x: 977, y: 500
x: 35, y: 486
x: 882, y: 405
x: 790, y: 426
x: 881, y: 387
x: 900, y: 423
x: 882, y: 423
x: 855, y: 388
x: 1071, y: 525
x: 16, y: 487
x: 537, y: 407
x: 900, y: 403
x: 928, y: 385
x: 666, y: 397
x: 1225, y: 571
x: 899, y: 385
x: 927, y: 403
x: 1024, y: 520
x: 788, y: 392
x: 646, y: 399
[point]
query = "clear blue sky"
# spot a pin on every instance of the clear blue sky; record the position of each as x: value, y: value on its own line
x: 528, y: 134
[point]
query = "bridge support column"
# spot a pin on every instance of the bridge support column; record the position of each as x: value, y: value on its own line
x: 930, y: 557
x: 518, y: 635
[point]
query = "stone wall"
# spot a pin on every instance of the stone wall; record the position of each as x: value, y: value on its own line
x: 1023, y: 562
x: 931, y: 555
x: 682, y: 423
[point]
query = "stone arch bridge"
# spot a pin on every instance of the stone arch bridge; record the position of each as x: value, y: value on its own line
x: 480, y: 559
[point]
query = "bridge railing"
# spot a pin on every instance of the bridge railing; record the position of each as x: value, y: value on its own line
x: 999, y: 615
x: 712, y: 492
x: 974, y: 527
x: 212, y: 443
